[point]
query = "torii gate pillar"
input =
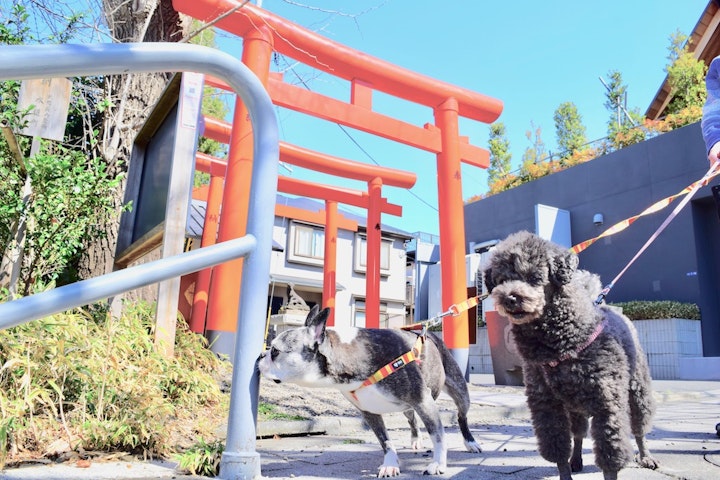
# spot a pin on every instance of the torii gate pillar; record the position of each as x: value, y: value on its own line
x: 330, y: 259
x: 225, y: 286
x: 452, y: 231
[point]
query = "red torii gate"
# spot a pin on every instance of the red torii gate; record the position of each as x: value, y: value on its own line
x: 264, y: 32
x: 333, y: 196
x: 372, y: 201
x: 212, y: 195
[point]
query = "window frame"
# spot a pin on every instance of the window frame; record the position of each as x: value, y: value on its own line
x: 359, y: 307
x: 312, y: 257
x: 360, y: 254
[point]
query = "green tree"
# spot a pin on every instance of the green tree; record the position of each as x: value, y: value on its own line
x: 13, y: 31
x: 500, y: 156
x: 678, y: 45
x: 534, y: 154
x: 623, y: 125
x: 71, y: 197
x: 129, y: 98
x: 213, y: 104
x: 686, y: 76
x: 105, y: 115
x: 42, y: 230
x: 569, y: 129
x: 615, y: 101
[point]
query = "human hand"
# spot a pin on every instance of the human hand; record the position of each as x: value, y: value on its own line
x: 714, y: 154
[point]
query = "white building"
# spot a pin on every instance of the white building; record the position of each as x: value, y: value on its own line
x: 297, y: 259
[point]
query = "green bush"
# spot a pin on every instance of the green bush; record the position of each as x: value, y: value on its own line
x: 651, y: 310
x: 202, y: 459
x: 99, y: 384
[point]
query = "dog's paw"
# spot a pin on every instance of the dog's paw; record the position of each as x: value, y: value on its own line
x: 416, y: 441
x: 416, y: 444
x: 390, y: 466
x: 647, y: 462
x: 473, y: 447
x: 576, y: 464
x: 435, y: 469
x: 564, y: 471
x: 388, y: 471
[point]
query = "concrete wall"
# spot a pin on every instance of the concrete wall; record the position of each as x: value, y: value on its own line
x: 666, y: 341
x: 682, y: 264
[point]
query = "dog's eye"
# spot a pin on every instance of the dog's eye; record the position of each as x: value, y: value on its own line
x: 535, y: 279
x: 274, y: 352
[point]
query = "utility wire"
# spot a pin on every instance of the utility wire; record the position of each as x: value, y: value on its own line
x: 352, y: 139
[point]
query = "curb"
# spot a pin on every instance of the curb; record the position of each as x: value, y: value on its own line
x: 342, y: 425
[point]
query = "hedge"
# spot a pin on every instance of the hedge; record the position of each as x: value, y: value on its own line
x: 651, y: 310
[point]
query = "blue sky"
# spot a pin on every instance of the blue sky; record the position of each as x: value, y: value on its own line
x: 532, y: 56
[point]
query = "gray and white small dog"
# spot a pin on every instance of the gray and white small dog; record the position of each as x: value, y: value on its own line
x: 320, y: 356
x: 580, y: 360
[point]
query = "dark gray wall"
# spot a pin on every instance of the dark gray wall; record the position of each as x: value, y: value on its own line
x: 681, y: 264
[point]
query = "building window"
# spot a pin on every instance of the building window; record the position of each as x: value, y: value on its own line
x: 361, y: 254
x: 307, y: 244
x: 359, y: 314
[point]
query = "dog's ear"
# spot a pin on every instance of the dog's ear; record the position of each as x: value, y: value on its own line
x: 312, y: 314
x: 487, y: 278
x: 317, y: 322
x: 562, y: 267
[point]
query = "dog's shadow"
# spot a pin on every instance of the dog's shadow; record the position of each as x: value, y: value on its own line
x: 352, y: 463
x: 343, y: 458
x: 359, y: 464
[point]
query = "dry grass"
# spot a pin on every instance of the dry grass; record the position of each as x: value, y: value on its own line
x: 81, y: 383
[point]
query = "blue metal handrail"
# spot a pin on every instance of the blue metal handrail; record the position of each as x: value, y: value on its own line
x: 240, y: 460
x: 60, y: 299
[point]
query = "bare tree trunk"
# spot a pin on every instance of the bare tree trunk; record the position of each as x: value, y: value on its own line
x: 133, y: 96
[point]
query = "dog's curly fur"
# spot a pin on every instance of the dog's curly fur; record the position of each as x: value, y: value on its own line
x: 573, y: 369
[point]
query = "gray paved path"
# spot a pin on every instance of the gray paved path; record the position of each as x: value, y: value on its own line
x: 683, y: 440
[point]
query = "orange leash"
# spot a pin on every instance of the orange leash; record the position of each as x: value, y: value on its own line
x: 414, y: 354
x: 454, y: 310
x: 689, y: 191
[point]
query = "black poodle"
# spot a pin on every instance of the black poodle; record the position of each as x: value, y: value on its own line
x: 580, y: 359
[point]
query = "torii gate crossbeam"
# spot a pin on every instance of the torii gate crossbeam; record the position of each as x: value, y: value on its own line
x: 332, y: 196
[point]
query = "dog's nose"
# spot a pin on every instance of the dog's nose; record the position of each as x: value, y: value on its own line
x: 510, y: 301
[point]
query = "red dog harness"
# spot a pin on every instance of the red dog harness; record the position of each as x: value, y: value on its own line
x: 596, y: 333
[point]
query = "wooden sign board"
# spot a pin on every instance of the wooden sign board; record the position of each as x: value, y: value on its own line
x: 161, y: 170
x: 50, y: 101
x: 159, y: 185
